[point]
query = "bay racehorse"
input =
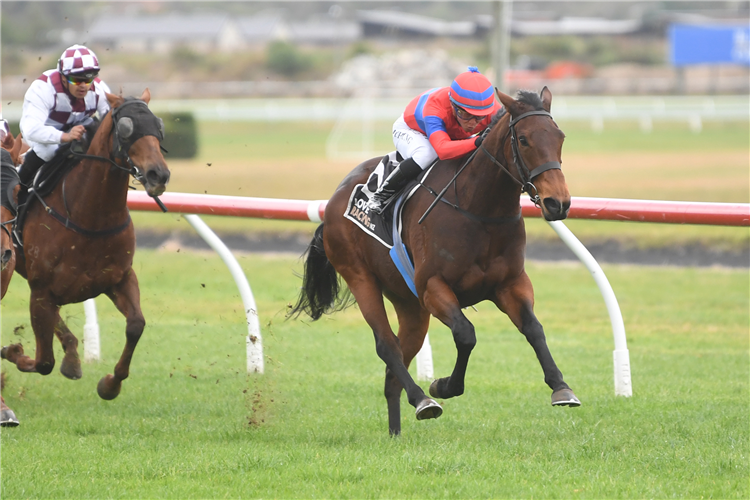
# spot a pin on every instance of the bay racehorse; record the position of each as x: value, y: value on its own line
x: 467, y: 250
x: 79, y: 241
x: 12, y: 147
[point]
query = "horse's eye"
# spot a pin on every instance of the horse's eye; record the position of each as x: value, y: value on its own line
x: 523, y: 141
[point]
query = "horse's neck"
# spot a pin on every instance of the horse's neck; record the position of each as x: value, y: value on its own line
x: 485, y: 188
x: 97, y: 185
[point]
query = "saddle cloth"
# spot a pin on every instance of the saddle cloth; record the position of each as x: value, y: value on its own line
x: 386, y: 226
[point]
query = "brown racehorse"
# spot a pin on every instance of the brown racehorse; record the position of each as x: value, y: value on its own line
x: 14, y: 147
x: 467, y: 250
x: 81, y: 244
x: 9, y: 186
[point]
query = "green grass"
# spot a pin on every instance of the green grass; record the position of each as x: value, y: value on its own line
x: 190, y: 423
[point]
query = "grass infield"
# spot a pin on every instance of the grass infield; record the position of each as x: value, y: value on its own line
x: 190, y: 423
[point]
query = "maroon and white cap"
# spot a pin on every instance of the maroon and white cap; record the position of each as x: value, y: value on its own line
x: 4, y: 129
x: 78, y: 60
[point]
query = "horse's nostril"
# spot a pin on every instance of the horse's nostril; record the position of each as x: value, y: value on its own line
x: 7, y: 254
x: 552, y: 205
x: 157, y: 177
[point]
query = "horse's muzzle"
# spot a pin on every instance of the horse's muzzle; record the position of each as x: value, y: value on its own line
x: 553, y: 209
x: 156, y: 181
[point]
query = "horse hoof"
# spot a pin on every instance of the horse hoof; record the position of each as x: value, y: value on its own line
x: 8, y: 419
x: 71, y: 368
x: 108, y: 388
x: 564, y: 397
x: 428, y: 408
x: 11, y: 352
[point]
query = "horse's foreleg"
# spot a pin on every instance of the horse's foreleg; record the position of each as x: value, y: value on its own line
x: 7, y: 416
x: 517, y: 301
x: 127, y: 298
x: 71, y: 363
x: 370, y: 300
x: 412, y: 328
x: 44, y: 314
x: 440, y: 300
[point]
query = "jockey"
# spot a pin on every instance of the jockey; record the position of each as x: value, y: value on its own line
x: 58, y: 105
x: 440, y: 123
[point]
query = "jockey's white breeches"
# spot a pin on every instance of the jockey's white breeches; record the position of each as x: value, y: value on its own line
x: 412, y: 143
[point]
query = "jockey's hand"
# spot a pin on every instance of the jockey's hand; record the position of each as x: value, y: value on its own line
x: 75, y: 134
x: 478, y: 141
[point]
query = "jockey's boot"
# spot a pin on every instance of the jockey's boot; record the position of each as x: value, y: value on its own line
x: 26, y: 172
x: 401, y: 175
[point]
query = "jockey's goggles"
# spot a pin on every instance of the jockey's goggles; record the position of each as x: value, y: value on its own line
x: 80, y: 80
x: 466, y: 116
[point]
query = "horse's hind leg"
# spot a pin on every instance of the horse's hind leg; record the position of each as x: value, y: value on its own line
x: 370, y: 300
x: 412, y: 328
x: 71, y: 363
x: 127, y: 298
x: 517, y: 302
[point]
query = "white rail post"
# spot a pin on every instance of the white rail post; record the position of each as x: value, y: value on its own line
x: 254, y: 340
x: 91, y: 349
x: 623, y: 386
x: 424, y: 361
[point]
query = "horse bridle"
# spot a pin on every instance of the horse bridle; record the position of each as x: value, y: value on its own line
x: 125, y: 135
x: 526, y: 175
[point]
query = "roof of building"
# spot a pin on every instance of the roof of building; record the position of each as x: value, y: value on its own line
x: 416, y: 23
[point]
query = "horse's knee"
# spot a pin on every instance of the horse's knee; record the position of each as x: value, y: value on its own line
x: 464, y: 335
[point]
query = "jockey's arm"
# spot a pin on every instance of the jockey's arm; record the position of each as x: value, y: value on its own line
x: 444, y: 146
x: 37, y: 104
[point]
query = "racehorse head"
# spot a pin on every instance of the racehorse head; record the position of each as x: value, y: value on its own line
x: 138, y: 135
x: 536, y: 148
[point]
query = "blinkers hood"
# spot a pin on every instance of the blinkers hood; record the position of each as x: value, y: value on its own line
x: 133, y: 120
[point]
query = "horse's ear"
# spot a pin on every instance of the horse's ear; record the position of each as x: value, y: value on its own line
x: 546, y: 96
x: 8, y: 142
x: 19, y: 148
x: 146, y: 96
x: 113, y: 100
x: 507, y: 101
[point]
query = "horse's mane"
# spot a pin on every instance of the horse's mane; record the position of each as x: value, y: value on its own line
x: 527, y: 97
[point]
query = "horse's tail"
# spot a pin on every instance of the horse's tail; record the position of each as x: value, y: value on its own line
x: 321, y: 285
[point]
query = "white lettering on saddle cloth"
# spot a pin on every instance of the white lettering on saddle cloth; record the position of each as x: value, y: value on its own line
x: 378, y: 226
x: 360, y: 212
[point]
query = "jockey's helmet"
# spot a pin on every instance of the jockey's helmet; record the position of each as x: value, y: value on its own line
x: 78, y: 60
x: 473, y: 92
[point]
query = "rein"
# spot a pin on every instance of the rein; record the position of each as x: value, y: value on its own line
x: 526, y: 175
x: 121, y: 152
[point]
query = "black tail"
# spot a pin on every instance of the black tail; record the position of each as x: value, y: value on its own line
x: 320, y: 284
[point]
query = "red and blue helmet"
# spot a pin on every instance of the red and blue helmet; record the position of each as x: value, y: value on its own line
x: 79, y: 61
x: 473, y: 92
